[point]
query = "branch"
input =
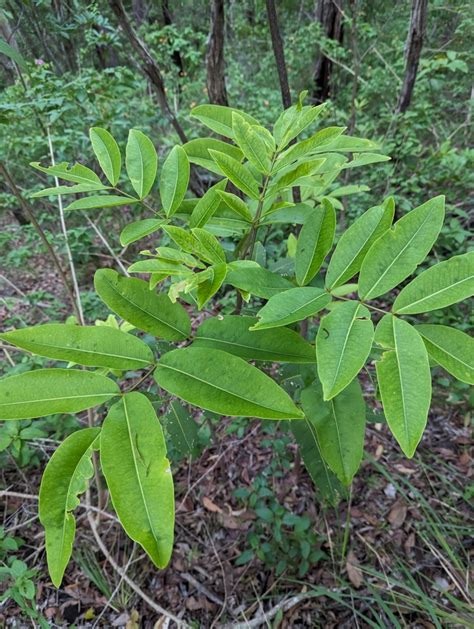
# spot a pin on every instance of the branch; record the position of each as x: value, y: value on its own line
x: 279, y: 53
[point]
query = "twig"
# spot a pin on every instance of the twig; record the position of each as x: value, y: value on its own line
x: 284, y: 605
x: 107, y: 246
x: 72, y: 268
x: 129, y: 581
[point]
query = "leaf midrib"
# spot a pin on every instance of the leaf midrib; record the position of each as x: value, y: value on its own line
x: 135, y: 465
x: 389, y: 267
x: 259, y: 349
x: 431, y: 295
x: 66, y: 397
x: 146, y: 312
x: 87, y: 351
x: 212, y: 385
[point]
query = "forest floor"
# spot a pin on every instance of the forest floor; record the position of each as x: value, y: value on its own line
x: 396, y: 554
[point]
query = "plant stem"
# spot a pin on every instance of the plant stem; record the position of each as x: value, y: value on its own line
x: 72, y: 268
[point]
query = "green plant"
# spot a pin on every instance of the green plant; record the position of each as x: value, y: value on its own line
x: 214, y: 372
x: 18, y: 579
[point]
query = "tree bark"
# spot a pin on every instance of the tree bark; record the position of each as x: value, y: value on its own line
x: 215, y: 61
x: 149, y: 66
x: 279, y: 53
x: 168, y: 21
x: 413, y: 46
x: 329, y: 14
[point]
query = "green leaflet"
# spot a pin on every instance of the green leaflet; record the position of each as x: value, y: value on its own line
x: 222, y: 383
x: 296, y: 175
x: 155, y: 265
x: 131, y: 299
x: 138, y: 475
x: 439, y: 286
x: 141, y: 161
x: 232, y: 334
x: 181, y: 429
x: 397, y: 253
x: 94, y: 346
x: 65, y: 478
x: 404, y: 380
x: 207, y: 205
x: 207, y: 247
x: 198, y: 152
x: 49, y: 391
x: 139, y: 229
x: 290, y: 306
x: 107, y: 152
x: 239, y: 174
x: 76, y: 174
x: 95, y: 202
x: 356, y: 241
x: 210, y: 286
x: 314, y: 242
x: 305, y: 147
x: 350, y: 144
x: 257, y: 281
x: 343, y: 344
x: 174, y: 180
x: 340, y: 427
x: 294, y: 121
x: 75, y: 189
x: 450, y: 348
x: 325, y: 481
x: 251, y: 143
x: 219, y: 118
x: 236, y: 204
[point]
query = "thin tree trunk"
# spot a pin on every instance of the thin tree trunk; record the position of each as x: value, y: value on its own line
x: 413, y: 46
x: 149, y: 66
x: 140, y: 11
x: 168, y: 21
x: 329, y: 14
x: 215, y: 61
x: 279, y: 53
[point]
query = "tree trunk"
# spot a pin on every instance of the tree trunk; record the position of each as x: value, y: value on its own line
x: 279, y: 53
x: 215, y: 62
x: 149, y: 65
x: 413, y: 46
x: 140, y: 11
x: 329, y: 14
x: 168, y: 21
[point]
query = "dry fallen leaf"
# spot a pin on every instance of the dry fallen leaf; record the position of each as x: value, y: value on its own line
x: 398, y: 514
x: 353, y: 571
x: 211, y: 506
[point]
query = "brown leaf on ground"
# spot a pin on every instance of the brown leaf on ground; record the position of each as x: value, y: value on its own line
x: 398, y: 514
x: 211, y: 506
x: 354, y: 573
